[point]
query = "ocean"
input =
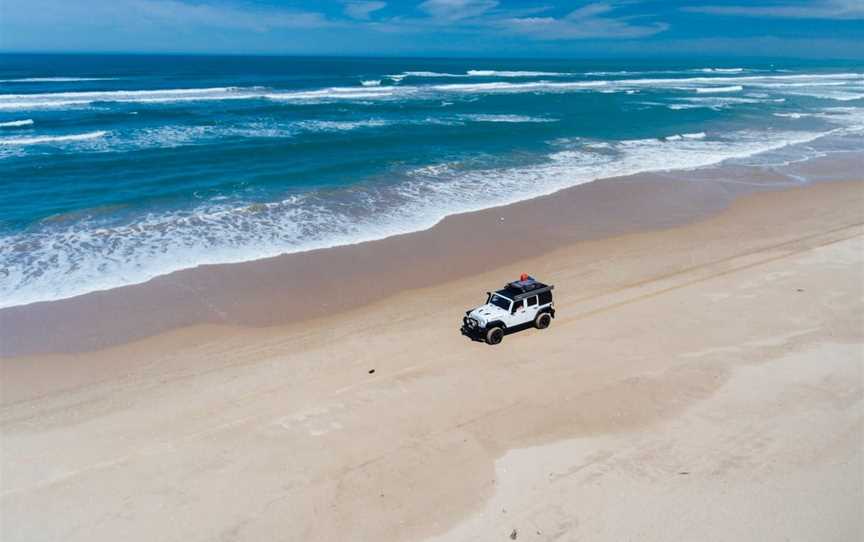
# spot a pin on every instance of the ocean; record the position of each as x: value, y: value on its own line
x: 119, y: 168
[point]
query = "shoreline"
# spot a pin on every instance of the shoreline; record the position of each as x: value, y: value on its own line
x: 313, y: 284
x: 110, y: 281
x: 648, y: 172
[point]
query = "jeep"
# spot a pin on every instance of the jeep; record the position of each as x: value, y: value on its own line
x: 519, y: 304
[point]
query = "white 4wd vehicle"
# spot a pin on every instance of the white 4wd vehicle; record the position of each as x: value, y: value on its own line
x: 520, y: 303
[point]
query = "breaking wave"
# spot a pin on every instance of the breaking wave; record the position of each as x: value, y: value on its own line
x: 45, y: 140
x: 341, y: 125
x: 722, y: 70
x: 16, y: 123
x: 505, y: 73
x: 678, y: 137
x: 53, y: 100
x: 709, y: 90
x: 479, y: 73
x: 479, y: 117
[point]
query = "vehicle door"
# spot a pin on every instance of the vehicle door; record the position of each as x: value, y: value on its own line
x: 519, y: 313
x: 531, y: 308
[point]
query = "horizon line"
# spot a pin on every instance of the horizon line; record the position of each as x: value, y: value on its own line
x: 430, y: 56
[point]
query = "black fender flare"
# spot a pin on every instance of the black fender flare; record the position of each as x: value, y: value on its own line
x: 495, y: 323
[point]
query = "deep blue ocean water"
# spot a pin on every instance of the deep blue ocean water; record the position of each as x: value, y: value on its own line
x: 116, y: 169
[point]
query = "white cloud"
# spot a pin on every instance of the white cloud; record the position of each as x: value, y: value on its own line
x: 589, y: 21
x: 228, y: 17
x: 457, y: 9
x: 819, y: 9
x: 363, y: 10
x: 590, y: 10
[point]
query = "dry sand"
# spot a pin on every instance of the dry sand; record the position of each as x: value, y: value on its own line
x: 702, y: 382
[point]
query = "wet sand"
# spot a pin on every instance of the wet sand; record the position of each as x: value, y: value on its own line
x: 703, y: 381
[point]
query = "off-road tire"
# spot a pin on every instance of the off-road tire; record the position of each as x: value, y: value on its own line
x: 542, y: 320
x: 494, y: 335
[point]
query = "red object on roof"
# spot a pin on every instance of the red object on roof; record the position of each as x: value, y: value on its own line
x: 523, y: 276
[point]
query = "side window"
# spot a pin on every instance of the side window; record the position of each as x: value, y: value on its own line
x: 516, y: 306
x: 545, y: 297
x: 532, y: 301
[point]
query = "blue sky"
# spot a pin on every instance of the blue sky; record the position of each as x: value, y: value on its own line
x: 814, y: 28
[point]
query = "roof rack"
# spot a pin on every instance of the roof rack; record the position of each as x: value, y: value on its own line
x: 525, y: 287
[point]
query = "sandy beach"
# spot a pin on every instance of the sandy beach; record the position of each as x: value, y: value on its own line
x: 704, y: 380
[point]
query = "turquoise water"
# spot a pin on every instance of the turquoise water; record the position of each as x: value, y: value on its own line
x: 116, y: 169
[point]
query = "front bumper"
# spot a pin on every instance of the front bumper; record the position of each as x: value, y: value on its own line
x: 471, y: 328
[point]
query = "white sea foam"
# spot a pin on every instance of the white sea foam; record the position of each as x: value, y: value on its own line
x: 667, y: 72
x: 341, y: 126
x: 691, y: 136
x: 612, y: 73
x: 16, y: 123
x: 750, y: 80
x: 708, y: 90
x: 68, y: 258
x: 171, y: 136
x: 676, y: 107
x: 813, y: 83
x: 506, y: 86
x: 54, y: 100
x: 183, y: 135
x: 161, y: 137
x: 337, y: 94
x: 371, y: 83
x: 505, y: 73
x: 47, y: 140
x: 716, y: 103
x: 834, y: 95
x: 478, y: 73
x: 720, y: 101
x: 423, y: 74
x: 792, y: 115
x: 479, y: 117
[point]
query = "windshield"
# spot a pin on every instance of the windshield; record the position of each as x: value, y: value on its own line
x: 499, y: 301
